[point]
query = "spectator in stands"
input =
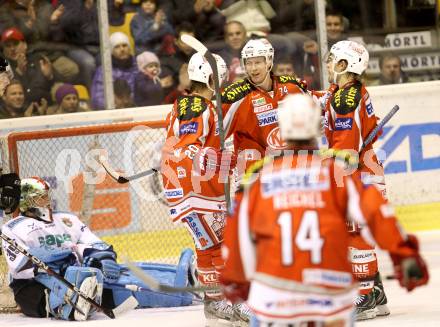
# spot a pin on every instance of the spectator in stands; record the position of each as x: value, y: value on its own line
x: 76, y: 22
x: 178, y: 55
x: 116, y: 12
x: 391, y: 71
x: 284, y: 66
x: 123, y: 66
x: 123, y: 94
x: 34, y: 71
x: 13, y: 104
x: 208, y: 20
x: 184, y: 84
x: 67, y: 101
x: 149, y: 27
x: 255, y: 16
x: 147, y: 86
x: 32, y: 18
x: 293, y: 15
x: 235, y: 39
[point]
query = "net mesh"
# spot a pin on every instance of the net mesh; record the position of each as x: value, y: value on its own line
x: 132, y: 217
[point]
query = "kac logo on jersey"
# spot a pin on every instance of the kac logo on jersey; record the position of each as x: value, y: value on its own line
x: 342, y: 124
x: 190, y: 128
x: 174, y: 193
x: 275, y: 141
x: 267, y: 118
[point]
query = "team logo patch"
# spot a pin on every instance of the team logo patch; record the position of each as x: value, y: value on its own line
x: 67, y: 222
x: 190, y: 128
x: 275, y: 141
x: 263, y: 108
x: 259, y: 102
x: 267, y: 118
x: 342, y: 124
x: 181, y: 172
x: 174, y: 193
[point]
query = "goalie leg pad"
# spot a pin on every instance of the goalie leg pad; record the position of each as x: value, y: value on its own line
x: 171, y: 275
x: 60, y: 296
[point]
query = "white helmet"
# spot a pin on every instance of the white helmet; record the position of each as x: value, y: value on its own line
x: 36, y: 198
x: 354, y: 53
x: 199, y: 69
x: 299, y: 117
x: 258, y: 48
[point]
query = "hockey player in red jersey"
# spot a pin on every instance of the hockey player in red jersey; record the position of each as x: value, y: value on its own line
x: 349, y: 118
x: 250, y: 105
x: 286, y: 244
x: 191, y: 167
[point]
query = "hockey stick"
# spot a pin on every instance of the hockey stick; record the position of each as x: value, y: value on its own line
x: 154, y: 284
x: 108, y: 312
x: 379, y: 126
x: 121, y: 179
x: 203, y: 50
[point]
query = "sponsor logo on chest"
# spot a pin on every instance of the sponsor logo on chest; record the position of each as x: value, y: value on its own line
x: 275, y: 141
x: 267, y: 118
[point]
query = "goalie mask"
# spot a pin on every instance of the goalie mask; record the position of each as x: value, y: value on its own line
x: 35, y: 200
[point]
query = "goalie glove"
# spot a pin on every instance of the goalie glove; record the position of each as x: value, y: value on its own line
x: 214, y: 160
x: 10, y: 192
x: 411, y: 271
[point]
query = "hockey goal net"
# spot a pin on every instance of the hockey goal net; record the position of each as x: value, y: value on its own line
x: 132, y: 217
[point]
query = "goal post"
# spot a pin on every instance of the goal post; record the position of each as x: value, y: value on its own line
x: 133, y: 217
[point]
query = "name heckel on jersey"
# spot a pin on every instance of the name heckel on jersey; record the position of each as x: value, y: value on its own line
x: 236, y: 91
x: 347, y: 100
x: 189, y: 107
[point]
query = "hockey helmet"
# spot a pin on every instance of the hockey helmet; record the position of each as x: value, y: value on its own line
x: 36, y: 198
x: 354, y: 53
x: 199, y: 69
x: 258, y: 48
x: 299, y: 117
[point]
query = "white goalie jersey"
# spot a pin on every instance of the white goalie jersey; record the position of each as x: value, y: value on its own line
x: 43, y: 239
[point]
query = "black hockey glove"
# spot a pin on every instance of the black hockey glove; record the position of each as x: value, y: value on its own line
x: 9, y: 192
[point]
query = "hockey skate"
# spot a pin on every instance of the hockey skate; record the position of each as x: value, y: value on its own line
x: 381, y: 298
x: 242, y: 314
x: 218, y: 313
x: 365, y: 306
x: 88, y: 287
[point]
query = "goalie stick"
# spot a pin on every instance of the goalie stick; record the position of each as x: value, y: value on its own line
x: 379, y: 126
x: 154, y: 284
x: 203, y: 50
x: 118, y: 177
x: 128, y: 304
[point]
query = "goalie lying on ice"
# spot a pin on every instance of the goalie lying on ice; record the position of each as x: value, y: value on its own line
x: 70, y: 248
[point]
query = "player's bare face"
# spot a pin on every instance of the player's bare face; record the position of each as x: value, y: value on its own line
x: 329, y: 66
x: 256, y: 69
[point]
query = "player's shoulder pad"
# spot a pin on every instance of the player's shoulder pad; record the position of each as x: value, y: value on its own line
x: 288, y: 79
x: 347, y: 99
x: 236, y: 91
x: 190, y: 106
x: 350, y: 159
x: 250, y: 176
x: 13, y: 222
